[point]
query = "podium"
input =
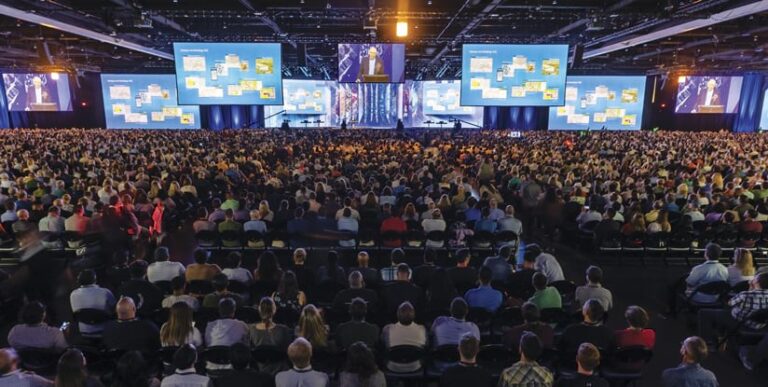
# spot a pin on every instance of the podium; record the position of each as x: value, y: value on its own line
x: 44, y: 107
x: 382, y: 78
x: 711, y: 109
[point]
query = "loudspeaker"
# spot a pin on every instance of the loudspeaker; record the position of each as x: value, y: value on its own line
x: 577, y: 58
x: 301, y: 54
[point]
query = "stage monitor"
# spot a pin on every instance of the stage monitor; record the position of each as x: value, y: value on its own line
x: 145, y: 101
x: 437, y: 104
x: 371, y: 63
x: 600, y: 102
x: 513, y: 74
x: 308, y: 103
x: 37, y: 92
x: 708, y: 94
x: 229, y: 73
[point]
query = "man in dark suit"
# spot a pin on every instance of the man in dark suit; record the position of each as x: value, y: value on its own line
x: 370, y: 65
x: 37, y: 93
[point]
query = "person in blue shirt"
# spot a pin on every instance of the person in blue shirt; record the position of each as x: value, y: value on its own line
x: 709, y: 271
x: 690, y: 372
x: 472, y: 213
x: 501, y: 265
x: 485, y: 223
x: 484, y: 296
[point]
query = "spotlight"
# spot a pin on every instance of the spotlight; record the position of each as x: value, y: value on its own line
x: 55, y: 76
x: 402, y: 29
x: 681, y: 79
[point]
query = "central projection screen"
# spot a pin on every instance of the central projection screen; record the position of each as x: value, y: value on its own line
x: 371, y: 63
x: 513, y: 74
x: 145, y: 101
x: 229, y: 73
x: 596, y: 102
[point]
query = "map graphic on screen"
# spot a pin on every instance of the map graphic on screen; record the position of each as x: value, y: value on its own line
x: 37, y: 92
x: 145, y: 101
x: 513, y: 74
x: 229, y: 73
x: 596, y: 102
x: 371, y: 63
x: 708, y: 94
x: 305, y: 100
x: 430, y: 102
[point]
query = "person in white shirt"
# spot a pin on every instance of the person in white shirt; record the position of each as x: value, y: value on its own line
x: 509, y: 223
x: 163, y: 269
x: 12, y: 376
x: 90, y: 296
x: 255, y: 224
x: 694, y: 213
x: 234, y: 272
x: 178, y: 285
x: 404, y: 332
x: 594, y: 289
x: 301, y: 374
x: 545, y: 263
x: 709, y: 271
x: 78, y: 222
x: 435, y: 224
x: 185, y: 375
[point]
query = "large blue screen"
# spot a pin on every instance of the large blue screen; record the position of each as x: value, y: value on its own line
x: 305, y: 100
x: 430, y: 102
x: 513, y: 75
x: 229, y: 73
x: 145, y: 101
x: 594, y: 102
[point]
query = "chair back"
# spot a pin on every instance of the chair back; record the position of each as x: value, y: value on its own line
x: 218, y: 354
x: 405, y: 354
x: 92, y: 316
x: 447, y: 353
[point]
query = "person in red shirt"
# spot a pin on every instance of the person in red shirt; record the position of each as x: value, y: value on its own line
x: 748, y: 225
x: 636, y: 334
x: 392, y: 222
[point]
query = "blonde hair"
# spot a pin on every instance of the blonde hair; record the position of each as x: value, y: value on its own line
x: 312, y: 327
x: 743, y: 260
x: 176, y: 331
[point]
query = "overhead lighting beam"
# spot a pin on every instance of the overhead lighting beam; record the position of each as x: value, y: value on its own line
x: 720, y: 17
x: 84, y: 32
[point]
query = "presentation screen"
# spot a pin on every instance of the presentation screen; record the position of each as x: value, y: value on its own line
x: 305, y: 100
x: 513, y: 74
x: 764, y: 113
x: 370, y: 105
x: 429, y: 103
x: 37, y: 92
x: 136, y: 101
x: 229, y: 73
x: 596, y: 102
x: 708, y: 94
x: 371, y: 63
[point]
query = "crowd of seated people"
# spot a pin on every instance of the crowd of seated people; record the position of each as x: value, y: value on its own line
x: 238, y: 190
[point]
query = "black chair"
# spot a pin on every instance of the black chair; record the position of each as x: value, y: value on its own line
x: 749, y: 240
x: 554, y: 316
x: 656, y: 242
x: 567, y: 290
x: 742, y: 286
x: 202, y: 287
x: 218, y: 355
x: 506, y: 238
x: 483, y: 319
x: 165, y: 354
x: 231, y: 240
x: 165, y: 286
x: 255, y: 240
x: 436, y: 238
x: 267, y: 354
x: 324, y: 360
x: 718, y: 288
x: 248, y: 315
x: 414, y: 239
x: 207, y: 239
x: 483, y: 240
x: 495, y: 358
x: 41, y: 361
x: 238, y: 287
x: 443, y: 357
x: 286, y: 316
x: 404, y: 354
x: 391, y: 239
x: 625, y: 365
x: 91, y: 317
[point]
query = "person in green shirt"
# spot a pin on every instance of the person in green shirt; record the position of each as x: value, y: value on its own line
x: 545, y: 296
x: 229, y: 224
x: 230, y: 203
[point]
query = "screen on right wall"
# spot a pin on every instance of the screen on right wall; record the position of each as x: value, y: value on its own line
x: 708, y: 94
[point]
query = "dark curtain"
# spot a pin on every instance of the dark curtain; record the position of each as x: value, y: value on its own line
x: 5, y: 121
x: 523, y: 118
x: 750, y: 104
x: 218, y: 117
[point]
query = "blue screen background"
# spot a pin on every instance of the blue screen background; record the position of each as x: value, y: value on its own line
x: 140, y: 83
x: 215, y: 55
x: 321, y: 94
x: 503, y: 54
x: 588, y: 84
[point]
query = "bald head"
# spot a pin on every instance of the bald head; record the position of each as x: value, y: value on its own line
x: 126, y: 309
x: 300, y: 352
x: 9, y: 360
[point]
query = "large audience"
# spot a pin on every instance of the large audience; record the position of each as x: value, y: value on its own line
x: 368, y: 258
